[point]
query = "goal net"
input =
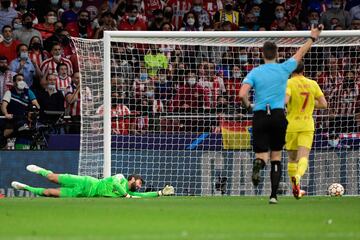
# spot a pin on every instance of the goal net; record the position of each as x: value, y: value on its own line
x: 166, y: 106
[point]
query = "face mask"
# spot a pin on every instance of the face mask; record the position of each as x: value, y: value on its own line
x: 149, y: 94
x: 66, y: 5
x: 3, y: 69
x: 51, y: 87
x: 143, y: 77
x: 258, y: 2
x: 24, y: 55
x: 279, y: 1
x: 256, y: 14
x: 8, y: 40
x: 132, y: 19
x: 336, y: 6
x: 279, y: 15
x: 57, y: 57
x: 191, y: 81
x: 36, y: 46
x: 197, y: 8
x: 6, y: 4
x: 78, y: 4
x: 228, y: 7
x: 54, y: 2
x: 314, y: 22
x: 243, y: 58
x: 52, y: 19
x: 21, y: 85
x: 168, y: 15
x: 236, y: 75
x: 191, y: 21
x: 17, y: 26
x: 28, y: 25
x: 83, y: 21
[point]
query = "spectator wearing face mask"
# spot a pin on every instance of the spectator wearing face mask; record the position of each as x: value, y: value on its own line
x: 71, y: 15
x: 46, y: 29
x: 336, y: 11
x: 191, y: 23
x: 23, y: 65
x: 14, y: 109
x: 50, y: 99
x: 132, y: 21
x: 9, y: 44
x: 202, y: 15
x: 228, y: 14
x: 190, y: 96
x: 7, y: 13
x: 36, y: 52
x: 179, y: 8
x: 280, y: 19
x: 50, y: 64
x: 82, y: 28
x: 27, y: 31
x: 313, y: 18
x: 6, y: 76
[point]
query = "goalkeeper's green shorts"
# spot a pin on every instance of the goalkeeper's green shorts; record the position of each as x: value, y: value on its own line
x: 76, y: 186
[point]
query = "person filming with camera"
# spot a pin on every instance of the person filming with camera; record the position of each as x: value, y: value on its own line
x: 16, y: 106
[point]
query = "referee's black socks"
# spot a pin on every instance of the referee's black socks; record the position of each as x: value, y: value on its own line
x: 275, y: 176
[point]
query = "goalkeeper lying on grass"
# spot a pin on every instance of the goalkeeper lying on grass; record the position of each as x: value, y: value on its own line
x: 86, y: 186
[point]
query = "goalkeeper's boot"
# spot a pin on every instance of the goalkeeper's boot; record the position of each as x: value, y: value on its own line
x: 18, y: 185
x: 295, y: 181
x: 257, y: 166
x: 38, y: 170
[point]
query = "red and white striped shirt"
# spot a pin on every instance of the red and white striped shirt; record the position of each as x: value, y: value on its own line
x: 62, y: 83
x: 49, y: 65
x: 6, y: 82
x: 36, y: 57
x: 74, y: 108
x: 118, y: 126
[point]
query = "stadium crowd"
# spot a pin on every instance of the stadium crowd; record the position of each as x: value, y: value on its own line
x: 151, y: 81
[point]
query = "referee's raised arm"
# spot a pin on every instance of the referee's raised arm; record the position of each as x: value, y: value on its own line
x: 314, y: 35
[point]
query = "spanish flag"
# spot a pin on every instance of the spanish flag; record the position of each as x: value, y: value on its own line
x: 236, y: 134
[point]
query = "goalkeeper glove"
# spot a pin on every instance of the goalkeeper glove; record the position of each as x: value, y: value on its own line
x: 167, y: 191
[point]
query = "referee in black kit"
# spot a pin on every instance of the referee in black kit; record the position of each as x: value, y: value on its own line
x: 269, y: 121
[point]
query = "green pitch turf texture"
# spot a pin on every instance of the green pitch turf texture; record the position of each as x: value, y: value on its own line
x: 180, y: 218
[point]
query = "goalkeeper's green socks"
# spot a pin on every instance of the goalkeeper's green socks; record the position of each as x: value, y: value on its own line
x: 302, y: 166
x: 44, y: 172
x: 37, y: 191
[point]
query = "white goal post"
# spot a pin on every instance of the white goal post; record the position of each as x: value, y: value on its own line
x: 343, y: 41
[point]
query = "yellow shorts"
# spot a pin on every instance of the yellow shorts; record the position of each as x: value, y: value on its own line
x: 297, y: 139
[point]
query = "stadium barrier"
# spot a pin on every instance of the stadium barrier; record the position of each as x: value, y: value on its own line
x: 202, y: 172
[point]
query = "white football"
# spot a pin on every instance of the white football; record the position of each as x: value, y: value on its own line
x: 336, y: 190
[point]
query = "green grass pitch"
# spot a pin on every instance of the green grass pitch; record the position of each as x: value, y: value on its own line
x: 180, y: 218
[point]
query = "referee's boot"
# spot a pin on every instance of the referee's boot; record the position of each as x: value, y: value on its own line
x: 258, y: 164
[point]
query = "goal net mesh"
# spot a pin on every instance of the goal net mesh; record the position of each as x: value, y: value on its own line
x: 176, y: 117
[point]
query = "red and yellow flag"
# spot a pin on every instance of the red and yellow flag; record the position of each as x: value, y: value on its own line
x: 236, y: 134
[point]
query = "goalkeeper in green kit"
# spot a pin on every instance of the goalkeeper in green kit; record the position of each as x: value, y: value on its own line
x: 86, y: 186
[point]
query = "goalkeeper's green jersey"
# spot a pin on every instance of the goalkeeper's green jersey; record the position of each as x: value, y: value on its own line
x: 114, y: 186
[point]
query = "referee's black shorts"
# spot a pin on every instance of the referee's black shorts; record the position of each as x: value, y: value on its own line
x: 269, y: 130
